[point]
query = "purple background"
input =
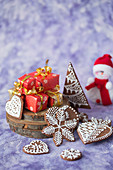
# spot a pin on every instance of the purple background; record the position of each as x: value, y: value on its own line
x: 62, y: 31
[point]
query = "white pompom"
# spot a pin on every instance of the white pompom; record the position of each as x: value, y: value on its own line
x: 90, y: 80
x: 108, y: 85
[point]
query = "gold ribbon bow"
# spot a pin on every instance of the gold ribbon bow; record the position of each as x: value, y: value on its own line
x: 32, y: 91
x: 19, y: 86
x: 44, y: 71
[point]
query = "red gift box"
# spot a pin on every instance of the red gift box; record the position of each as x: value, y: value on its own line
x: 27, y: 81
x: 35, y: 103
x: 48, y: 82
x: 55, y: 99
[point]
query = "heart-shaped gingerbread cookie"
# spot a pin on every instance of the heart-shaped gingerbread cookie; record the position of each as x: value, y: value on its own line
x: 14, y: 107
x: 94, y: 130
x: 36, y: 148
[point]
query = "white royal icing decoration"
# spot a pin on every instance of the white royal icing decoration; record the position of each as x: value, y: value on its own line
x: 14, y: 106
x: 83, y: 117
x: 71, y: 154
x: 77, y: 96
x: 90, y: 131
x: 36, y: 147
x: 55, y: 117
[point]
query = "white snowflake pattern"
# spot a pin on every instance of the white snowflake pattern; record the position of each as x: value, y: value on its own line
x: 59, y: 127
x: 71, y: 154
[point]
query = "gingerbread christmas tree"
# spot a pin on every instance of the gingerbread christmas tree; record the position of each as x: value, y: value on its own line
x: 73, y: 90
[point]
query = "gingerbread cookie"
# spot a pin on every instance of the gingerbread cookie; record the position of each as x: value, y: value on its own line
x: 36, y: 148
x: 83, y: 117
x: 94, y: 130
x: 73, y: 90
x: 58, y: 125
x: 70, y: 113
x: 14, y: 107
x: 71, y: 154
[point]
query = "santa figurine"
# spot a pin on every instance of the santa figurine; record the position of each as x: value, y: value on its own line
x: 100, y: 89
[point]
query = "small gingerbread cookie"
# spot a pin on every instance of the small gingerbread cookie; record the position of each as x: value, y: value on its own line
x: 36, y: 148
x: 14, y: 107
x: 83, y: 117
x: 59, y: 124
x: 71, y: 154
x: 94, y: 130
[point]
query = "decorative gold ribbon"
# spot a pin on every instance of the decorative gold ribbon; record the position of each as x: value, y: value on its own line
x: 32, y: 91
x: 56, y: 93
x: 40, y: 88
x: 18, y: 86
x: 41, y: 101
x: 40, y: 71
x: 43, y: 71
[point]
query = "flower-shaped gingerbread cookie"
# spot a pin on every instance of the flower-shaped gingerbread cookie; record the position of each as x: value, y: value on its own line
x: 58, y: 125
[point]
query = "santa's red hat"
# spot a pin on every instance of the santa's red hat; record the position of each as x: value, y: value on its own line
x: 103, y: 63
